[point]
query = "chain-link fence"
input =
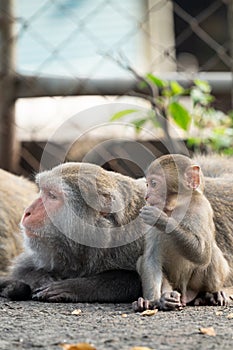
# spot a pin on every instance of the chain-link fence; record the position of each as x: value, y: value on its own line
x: 83, y: 48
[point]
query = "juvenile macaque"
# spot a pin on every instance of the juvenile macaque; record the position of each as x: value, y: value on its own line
x: 181, y: 257
x: 15, y: 195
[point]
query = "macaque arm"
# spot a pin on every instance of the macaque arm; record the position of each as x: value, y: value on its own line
x: 151, y: 267
x: 110, y: 287
x: 193, y: 245
x: 23, y: 279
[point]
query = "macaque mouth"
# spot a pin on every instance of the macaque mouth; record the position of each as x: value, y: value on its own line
x: 31, y: 234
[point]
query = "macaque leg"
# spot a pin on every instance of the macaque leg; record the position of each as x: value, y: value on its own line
x: 16, y: 288
x: 150, y: 271
x: 119, y: 286
x: 23, y: 280
x: 169, y: 300
x: 218, y: 268
x: 157, y: 291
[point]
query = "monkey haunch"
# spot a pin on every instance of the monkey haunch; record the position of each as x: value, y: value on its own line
x: 82, y: 238
x: 15, y: 195
x: 180, y: 252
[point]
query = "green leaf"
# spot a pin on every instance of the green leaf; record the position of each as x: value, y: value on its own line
x: 153, y: 119
x: 180, y: 115
x: 176, y: 88
x: 228, y: 151
x: 203, y: 85
x: 139, y: 123
x: 194, y: 141
x: 142, y: 85
x: 156, y: 81
x: 199, y: 97
x: 123, y: 113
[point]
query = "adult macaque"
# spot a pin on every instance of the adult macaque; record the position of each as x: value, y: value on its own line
x: 82, y: 238
x: 15, y: 195
x: 57, y: 264
x: 181, y: 253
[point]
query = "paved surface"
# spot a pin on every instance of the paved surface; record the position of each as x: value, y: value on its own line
x: 35, y: 325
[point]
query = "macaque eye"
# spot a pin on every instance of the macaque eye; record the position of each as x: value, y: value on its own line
x: 153, y: 183
x: 52, y: 195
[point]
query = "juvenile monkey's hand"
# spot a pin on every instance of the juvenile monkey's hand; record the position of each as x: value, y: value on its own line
x: 153, y: 216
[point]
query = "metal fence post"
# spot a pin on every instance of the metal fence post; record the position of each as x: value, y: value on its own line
x: 7, y: 83
x: 230, y: 28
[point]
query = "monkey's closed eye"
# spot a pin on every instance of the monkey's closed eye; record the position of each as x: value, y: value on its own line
x: 52, y: 195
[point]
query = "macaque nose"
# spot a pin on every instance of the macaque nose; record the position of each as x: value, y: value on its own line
x: 146, y: 196
x: 26, y: 214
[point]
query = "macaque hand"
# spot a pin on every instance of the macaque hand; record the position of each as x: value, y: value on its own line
x: 212, y: 299
x: 17, y: 290
x: 141, y: 305
x: 60, y: 291
x: 170, y: 301
x: 153, y: 216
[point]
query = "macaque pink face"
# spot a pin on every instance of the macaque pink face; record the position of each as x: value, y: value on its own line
x: 156, y: 190
x: 42, y: 210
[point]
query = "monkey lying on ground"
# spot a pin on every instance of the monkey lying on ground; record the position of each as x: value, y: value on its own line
x: 83, y: 226
x: 180, y: 253
x: 56, y: 266
x: 15, y: 195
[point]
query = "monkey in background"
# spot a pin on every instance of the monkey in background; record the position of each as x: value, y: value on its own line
x: 180, y: 252
x: 218, y: 189
x: 215, y: 165
x: 15, y: 195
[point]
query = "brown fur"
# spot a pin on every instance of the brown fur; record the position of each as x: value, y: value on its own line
x: 15, y: 195
x: 181, y: 243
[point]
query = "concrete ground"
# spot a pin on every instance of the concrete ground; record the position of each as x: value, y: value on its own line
x: 35, y: 325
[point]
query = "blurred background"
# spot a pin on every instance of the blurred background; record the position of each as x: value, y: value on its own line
x: 68, y: 66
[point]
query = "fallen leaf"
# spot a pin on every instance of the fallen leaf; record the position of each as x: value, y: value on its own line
x: 149, y: 312
x: 229, y: 316
x: 78, y: 346
x: 76, y: 312
x: 208, y: 331
x: 218, y: 313
x: 140, y: 348
x: 124, y: 315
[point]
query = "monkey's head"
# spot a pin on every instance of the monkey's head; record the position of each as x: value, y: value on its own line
x: 80, y: 201
x: 171, y: 175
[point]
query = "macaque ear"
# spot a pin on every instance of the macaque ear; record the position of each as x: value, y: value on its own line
x: 193, y: 177
x: 105, y: 202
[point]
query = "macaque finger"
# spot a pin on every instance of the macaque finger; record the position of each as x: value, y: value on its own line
x: 170, y: 305
x: 141, y: 305
x: 212, y: 299
x: 219, y: 299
